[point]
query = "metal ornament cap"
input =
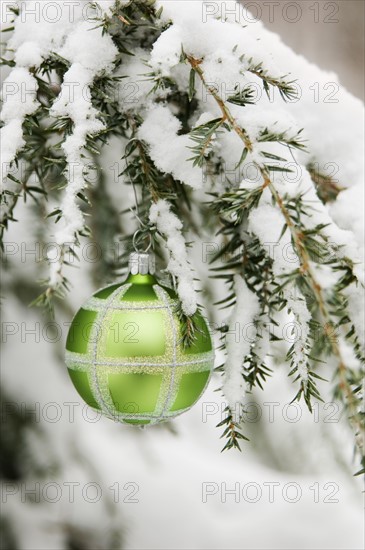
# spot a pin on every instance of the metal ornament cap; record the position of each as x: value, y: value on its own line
x: 142, y: 263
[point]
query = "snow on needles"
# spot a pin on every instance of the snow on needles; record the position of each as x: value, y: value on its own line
x: 169, y: 151
x: 90, y: 52
x: 238, y: 343
x: 77, y: 39
x: 169, y: 226
x: 266, y: 223
x: 32, y: 41
x: 197, y: 27
x: 19, y: 96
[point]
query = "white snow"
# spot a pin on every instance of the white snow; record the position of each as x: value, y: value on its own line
x: 76, y: 38
x: 90, y: 52
x: 239, y: 338
x: 29, y: 54
x: 300, y: 330
x: 170, y: 151
x: 91, y: 48
x: 322, y: 108
x: 169, y: 225
x: 266, y: 223
x: 11, y: 142
x: 19, y: 97
x: 135, y: 86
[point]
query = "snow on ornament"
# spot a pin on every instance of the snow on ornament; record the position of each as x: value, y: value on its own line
x: 125, y: 354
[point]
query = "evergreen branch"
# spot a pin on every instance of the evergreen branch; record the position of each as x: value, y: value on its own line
x: 203, y: 136
x: 46, y: 299
x: 238, y: 202
x: 304, y: 257
x: 242, y: 97
x: 283, y: 138
x: 188, y: 326
x: 7, y: 214
x: 141, y: 169
x: 329, y: 326
x: 255, y: 373
x: 231, y: 431
x: 227, y: 116
x: 11, y: 198
x: 286, y: 89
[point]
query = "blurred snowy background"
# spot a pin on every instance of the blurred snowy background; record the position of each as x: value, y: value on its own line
x: 71, y: 480
x: 331, y: 34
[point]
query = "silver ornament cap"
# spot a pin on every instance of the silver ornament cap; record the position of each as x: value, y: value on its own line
x: 142, y: 263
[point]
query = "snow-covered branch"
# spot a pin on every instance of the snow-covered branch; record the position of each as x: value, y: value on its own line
x: 169, y: 226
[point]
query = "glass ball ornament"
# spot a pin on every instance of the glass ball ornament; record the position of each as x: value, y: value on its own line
x: 125, y: 355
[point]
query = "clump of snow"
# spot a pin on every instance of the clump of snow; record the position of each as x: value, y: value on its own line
x: 44, y: 31
x: 170, y: 151
x: 29, y: 54
x: 34, y: 37
x: 166, y: 51
x: 262, y: 344
x: 11, y: 142
x: 266, y: 222
x: 74, y: 102
x: 169, y: 225
x: 20, y: 99
x: 347, y: 210
x: 201, y: 33
x: 19, y: 95
x: 88, y: 46
x: 134, y: 88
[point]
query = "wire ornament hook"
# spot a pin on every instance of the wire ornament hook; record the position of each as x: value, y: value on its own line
x: 135, y: 244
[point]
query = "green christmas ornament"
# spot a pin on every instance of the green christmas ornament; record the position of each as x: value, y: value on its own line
x: 124, y: 352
